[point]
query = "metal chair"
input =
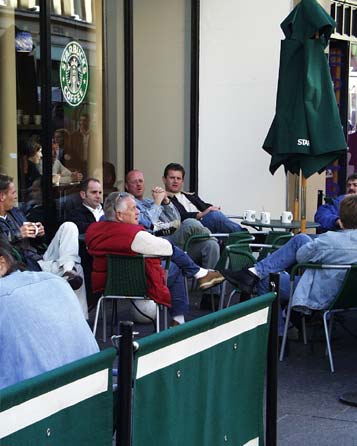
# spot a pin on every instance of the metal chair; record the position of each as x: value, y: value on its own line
x: 344, y: 301
x: 126, y: 279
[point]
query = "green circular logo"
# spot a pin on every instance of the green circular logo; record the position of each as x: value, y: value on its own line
x: 74, y: 73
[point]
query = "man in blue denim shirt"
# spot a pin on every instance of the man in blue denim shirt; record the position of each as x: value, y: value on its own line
x: 316, y: 288
x: 41, y: 323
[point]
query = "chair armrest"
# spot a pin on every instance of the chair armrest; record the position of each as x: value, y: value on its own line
x: 295, y: 270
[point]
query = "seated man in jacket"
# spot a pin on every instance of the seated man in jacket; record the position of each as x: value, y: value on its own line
x: 61, y: 256
x: 121, y: 234
x: 41, y: 323
x: 328, y: 215
x: 160, y: 209
x: 190, y: 205
x: 316, y: 288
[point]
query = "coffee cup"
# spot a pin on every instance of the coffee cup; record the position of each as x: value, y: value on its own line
x: 249, y: 215
x: 265, y: 217
x: 56, y: 179
x: 29, y: 223
x: 26, y: 119
x: 286, y: 217
x: 37, y: 119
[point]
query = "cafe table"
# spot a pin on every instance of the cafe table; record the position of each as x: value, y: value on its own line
x: 278, y: 225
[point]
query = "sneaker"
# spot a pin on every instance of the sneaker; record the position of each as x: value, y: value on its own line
x: 244, y: 279
x: 206, y: 302
x: 73, y: 279
x: 211, y: 279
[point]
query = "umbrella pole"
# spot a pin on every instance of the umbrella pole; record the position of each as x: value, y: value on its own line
x: 296, y: 197
x: 303, y: 204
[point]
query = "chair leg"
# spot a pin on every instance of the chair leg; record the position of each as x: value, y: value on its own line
x: 303, y: 325
x: 97, y: 315
x: 230, y: 297
x: 287, y: 320
x: 222, y: 295
x: 104, y: 322
x: 327, y: 334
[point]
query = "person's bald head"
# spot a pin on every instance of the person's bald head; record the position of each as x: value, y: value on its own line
x: 134, y: 183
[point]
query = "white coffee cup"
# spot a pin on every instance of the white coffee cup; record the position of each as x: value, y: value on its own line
x: 37, y: 119
x: 249, y: 215
x: 265, y: 217
x: 286, y: 217
x: 29, y: 223
x: 26, y: 119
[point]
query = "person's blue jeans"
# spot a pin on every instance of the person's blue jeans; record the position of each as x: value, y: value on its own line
x: 216, y: 221
x: 277, y: 262
x: 181, y: 265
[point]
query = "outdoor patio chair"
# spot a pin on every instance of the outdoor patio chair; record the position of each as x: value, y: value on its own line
x: 126, y: 279
x: 344, y: 301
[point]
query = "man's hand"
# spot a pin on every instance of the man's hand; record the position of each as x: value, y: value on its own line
x: 32, y: 230
x: 206, y: 211
x: 339, y: 223
x: 159, y: 195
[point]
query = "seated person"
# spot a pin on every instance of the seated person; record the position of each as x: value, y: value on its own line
x: 190, y: 205
x: 61, y: 138
x: 61, y: 257
x: 60, y: 172
x: 327, y: 215
x: 317, y: 288
x: 121, y: 234
x: 160, y: 209
x: 34, y: 157
x: 41, y: 323
x: 109, y: 178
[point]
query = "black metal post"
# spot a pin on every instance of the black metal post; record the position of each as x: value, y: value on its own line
x: 46, y: 110
x: 194, y: 112
x: 123, y: 437
x: 128, y: 85
x: 272, y: 368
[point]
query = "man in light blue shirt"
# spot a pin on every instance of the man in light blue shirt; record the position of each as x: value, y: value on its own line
x: 42, y: 326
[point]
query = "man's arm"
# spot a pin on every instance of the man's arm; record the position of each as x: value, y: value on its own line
x: 81, y: 218
x: 328, y: 216
x: 316, y: 251
x: 147, y: 244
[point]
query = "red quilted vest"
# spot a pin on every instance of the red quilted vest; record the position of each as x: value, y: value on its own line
x: 108, y: 237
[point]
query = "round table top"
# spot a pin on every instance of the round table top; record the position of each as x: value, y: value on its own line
x: 277, y: 224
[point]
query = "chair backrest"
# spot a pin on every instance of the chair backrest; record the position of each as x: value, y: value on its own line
x: 346, y: 297
x: 70, y: 405
x: 237, y: 239
x: 275, y: 239
x: 126, y: 276
x: 212, y: 370
x: 240, y: 257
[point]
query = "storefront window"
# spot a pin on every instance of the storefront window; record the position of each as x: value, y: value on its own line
x: 352, y: 112
x: 76, y: 124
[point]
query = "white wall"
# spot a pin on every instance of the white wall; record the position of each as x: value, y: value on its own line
x: 239, y: 63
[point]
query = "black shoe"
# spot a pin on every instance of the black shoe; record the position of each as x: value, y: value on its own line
x: 206, y: 302
x: 73, y: 279
x: 245, y: 280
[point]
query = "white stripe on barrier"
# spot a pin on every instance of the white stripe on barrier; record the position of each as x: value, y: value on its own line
x: 180, y: 350
x: 254, y: 442
x: 43, y: 406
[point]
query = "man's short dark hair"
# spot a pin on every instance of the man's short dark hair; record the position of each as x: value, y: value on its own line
x: 348, y: 211
x: 6, y: 252
x: 5, y: 181
x: 174, y: 166
x: 84, y: 184
x: 352, y: 177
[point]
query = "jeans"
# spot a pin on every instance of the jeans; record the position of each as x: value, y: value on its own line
x: 277, y: 262
x: 216, y: 221
x: 187, y: 228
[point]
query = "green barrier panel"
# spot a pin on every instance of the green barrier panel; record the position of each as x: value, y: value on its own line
x: 202, y: 383
x: 70, y: 405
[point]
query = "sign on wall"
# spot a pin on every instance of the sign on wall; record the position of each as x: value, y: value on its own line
x: 74, y: 73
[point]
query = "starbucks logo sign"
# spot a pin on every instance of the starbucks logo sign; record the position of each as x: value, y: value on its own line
x: 74, y: 73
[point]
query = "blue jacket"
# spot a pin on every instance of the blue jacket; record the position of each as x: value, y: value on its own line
x: 41, y: 326
x: 327, y: 214
x: 317, y: 288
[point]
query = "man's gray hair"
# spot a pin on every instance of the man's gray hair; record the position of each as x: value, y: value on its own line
x: 116, y: 201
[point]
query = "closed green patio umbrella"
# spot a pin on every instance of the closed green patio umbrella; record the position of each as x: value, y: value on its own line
x: 306, y: 134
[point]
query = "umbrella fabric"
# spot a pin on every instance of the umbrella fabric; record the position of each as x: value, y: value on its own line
x: 306, y: 132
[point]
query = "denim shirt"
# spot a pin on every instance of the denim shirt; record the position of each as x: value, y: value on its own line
x: 41, y: 326
x: 317, y: 288
x: 151, y: 213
